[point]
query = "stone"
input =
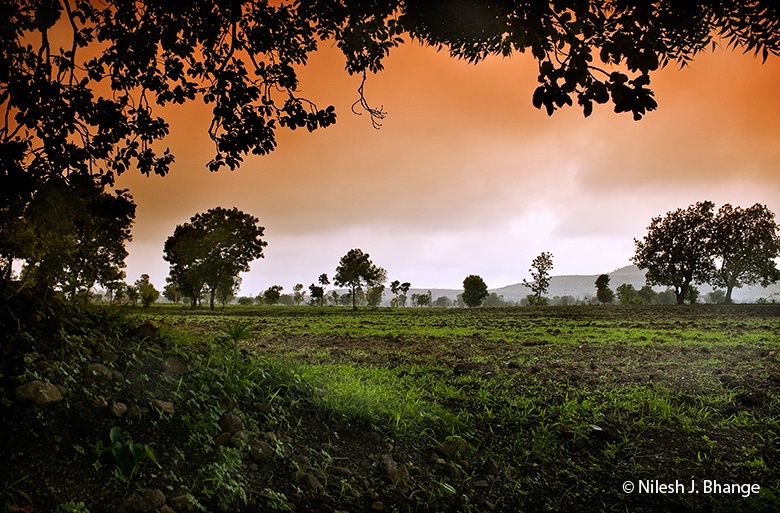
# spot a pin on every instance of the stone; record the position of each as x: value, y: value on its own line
x: 239, y: 439
x: 99, y: 372
x: 150, y: 502
x: 398, y: 474
x: 491, y: 467
x: 163, y: 406
x: 261, y: 451
x: 377, y: 506
x: 183, y: 504
x: 174, y: 365
x: 41, y: 393
x: 118, y: 409
x: 222, y: 439
x: 145, y: 330
x: 99, y: 402
x: 108, y: 356
x: 230, y: 422
x: 451, y: 448
x: 135, y: 412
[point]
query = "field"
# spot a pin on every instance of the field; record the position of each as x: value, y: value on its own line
x: 522, y: 409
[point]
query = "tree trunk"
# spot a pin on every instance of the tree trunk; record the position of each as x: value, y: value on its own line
x: 212, y: 293
x: 729, y: 290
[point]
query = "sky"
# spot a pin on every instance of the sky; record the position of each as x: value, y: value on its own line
x: 465, y: 176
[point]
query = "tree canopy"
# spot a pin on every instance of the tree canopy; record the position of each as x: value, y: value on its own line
x: 211, y: 250
x: 474, y: 290
x: 83, y: 84
x: 732, y: 248
x: 676, y: 249
x: 540, y: 272
x: 356, y: 269
x: 746, y: 242
x: 603, y: 293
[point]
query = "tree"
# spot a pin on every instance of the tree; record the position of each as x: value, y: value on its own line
x: 146, y: 291
x: 745, y: 243
x: 317, y: 292
x: 70, y: 235
x: 494, y: 300
x: 227, y: 289
x: 603, y: 293
x: 648, y: 295
x: 676, y: 249
x: 298, y: 294
x: 540, y: 272
x: 400, y: 290
x: 442, y: 302
x: 716, y: 297
x: 131, y: 291
x: 628, y: 295
x: 374, y: 295
x: 83, y: 84
x: 422, y: 300
x: 474, y: 290
x: 212, y: 249
x: 355, y: 270
x: 272, y: 294
x: 171, y: 292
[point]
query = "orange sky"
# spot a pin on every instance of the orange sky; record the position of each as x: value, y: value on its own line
x: 466, y: 177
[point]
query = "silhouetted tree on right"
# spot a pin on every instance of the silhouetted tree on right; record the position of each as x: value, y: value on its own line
x: 745, y: 244
x: 676, y: 250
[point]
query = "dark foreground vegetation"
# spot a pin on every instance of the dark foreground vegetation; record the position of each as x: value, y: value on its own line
x: 285, y: 409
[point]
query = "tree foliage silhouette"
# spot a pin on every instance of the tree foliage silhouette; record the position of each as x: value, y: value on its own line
x: 474, y: 290
x: 603, y: 293
x: 745, y: 244
x: 212, y: 249
x: 355, y: 270
x: 676, y: 250
x: 83, y: 84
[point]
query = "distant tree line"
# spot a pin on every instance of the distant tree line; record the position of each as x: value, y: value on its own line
x: 728, y: 248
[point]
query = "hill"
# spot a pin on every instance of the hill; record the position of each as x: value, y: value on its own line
x: 583, y: 286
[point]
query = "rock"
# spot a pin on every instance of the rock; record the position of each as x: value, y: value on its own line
x: 118, y: 409
x: 377, y: 506
x: 261, y: 451
x: 99, y: 402
x: 398, y: 474
x: 450, y: 448
x: 99, y: 372
x: 230, y: 422
x: 108, y: 356
x: 222, y: 439
x: 342, y: 471
x: 39, y: 392
x: 491, y: 467
x: 163, y: 406
x: 150, y: 502
x: 167, y: 509
x: 136, y: 412
x: 239, y: 439
x: 174, y: 365
x: 270, y: 437
x: 145, y: 330
x: 183, y: 504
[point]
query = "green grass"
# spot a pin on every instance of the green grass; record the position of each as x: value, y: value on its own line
x: 571, y: 402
